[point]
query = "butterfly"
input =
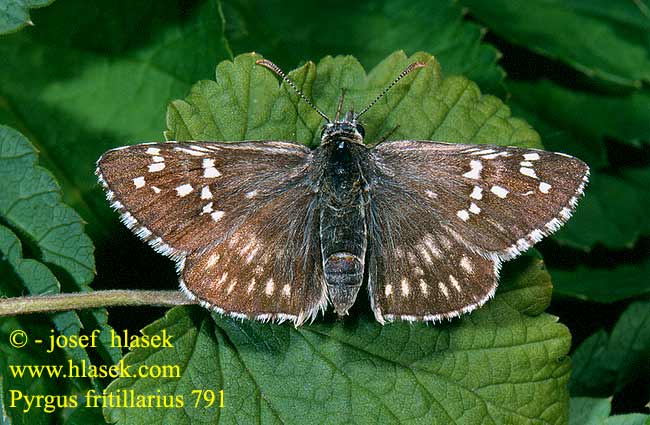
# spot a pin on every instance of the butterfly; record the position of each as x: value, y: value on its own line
x: 274, y: 231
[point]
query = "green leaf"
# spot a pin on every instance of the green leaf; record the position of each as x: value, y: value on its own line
x: 603, y: 41
x: 246, y: 102
x: 14, y: 14
x: 84, y: 415
x: 32, y: 354
x: 604, y: 365
x: 39, y: 280
x: 369, y: 30
x: 588, y: 116
x: 595, y: 411
x: 606, y: 285
x: 78, y: 90
x: 504, y: 363
x: 588, y: 411
x: 613, y: 211
x: 30, y: 202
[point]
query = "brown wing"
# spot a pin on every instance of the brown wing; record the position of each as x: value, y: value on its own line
x: 447, y: 215
x: 191, y: 200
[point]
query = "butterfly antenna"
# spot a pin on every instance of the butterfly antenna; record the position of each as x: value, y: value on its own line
x: 338, y: 108
x: 273, y: 67
x: 411, y: 67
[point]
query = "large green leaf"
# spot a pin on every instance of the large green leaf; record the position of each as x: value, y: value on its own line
x: 504, y: 363
x: 30, y: 202
x: 77, y: 90
x: 14, y: 14
x: 602, y: 38
x: 604, y: 365
x: 35, y: 217
x: 246, y: 102
x: 595, y: 411
x: 289, y: 32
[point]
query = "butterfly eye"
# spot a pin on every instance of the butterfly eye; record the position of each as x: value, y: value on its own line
x: 361, y: 130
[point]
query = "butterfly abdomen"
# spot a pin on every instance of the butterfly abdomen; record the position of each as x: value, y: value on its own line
x: 343, y: 230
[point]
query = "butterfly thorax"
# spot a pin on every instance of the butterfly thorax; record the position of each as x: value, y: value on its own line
x: 343, y: 229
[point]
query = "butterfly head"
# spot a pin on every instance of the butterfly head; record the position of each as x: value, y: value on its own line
x: 348, y: 129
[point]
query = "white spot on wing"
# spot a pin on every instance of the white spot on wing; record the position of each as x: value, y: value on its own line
x: 269, y: 287
x: 251, y: 286
x: 388, y: 290
x: 199, y: 148
x: 526, y: 164
x: 184, y: 189
x: 424, y: 253
x: 209, y: 169
x: 251, y: 194
x: 155, y: 189
x: 431, y: 194
x: 466, y: 265
x: 158, y: 159
x: 544, y: 187
x: 531, y: 156
x: 528, y: 172
x: 207, y: 208
x: 499, y: 191
x: 477, y: 193
x: 494, y: 155
x: 232, y: 286
x: 443, y: 289
x: 158, y: 166
x: 212, y: 260
x: 211, y: 172
x: 405, y: 288
x: 475, y: 170
x: 428, y: 241
x: 217, y: 215
x: 190, y: 151
x: 153, y: 151
x: 139, y: 182
x: 286, y: 290
x: 483, y: 152
x: 251, y: 255
x: 463, y: 215
x: 423, y: 287
x: 454, y: 283
x: 205, y: 193
x: 474, y: 209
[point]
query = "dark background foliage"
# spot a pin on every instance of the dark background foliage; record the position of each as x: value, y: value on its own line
x: 89, y: 76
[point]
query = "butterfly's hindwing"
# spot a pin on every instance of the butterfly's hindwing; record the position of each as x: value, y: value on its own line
x: 238, y: 202
x: 450, y: 214
x: 269, y: 268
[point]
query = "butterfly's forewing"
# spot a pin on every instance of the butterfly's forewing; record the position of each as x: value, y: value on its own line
x: 446, y: 215
x: 226, y: 212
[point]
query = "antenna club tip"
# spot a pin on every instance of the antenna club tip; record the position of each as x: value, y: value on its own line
x: 418, y: 64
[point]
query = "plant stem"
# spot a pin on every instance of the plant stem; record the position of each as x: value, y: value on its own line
x: 95, y: 299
